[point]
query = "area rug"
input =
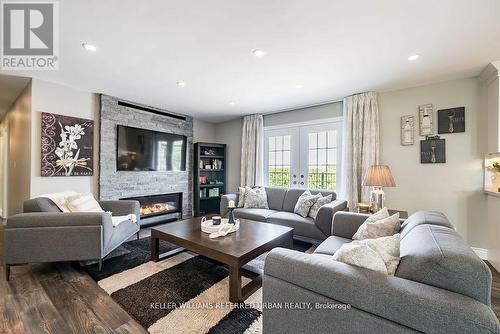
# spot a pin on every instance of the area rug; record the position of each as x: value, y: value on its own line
x: 186, y: 293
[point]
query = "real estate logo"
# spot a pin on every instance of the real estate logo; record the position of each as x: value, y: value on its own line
x: 30, y: 35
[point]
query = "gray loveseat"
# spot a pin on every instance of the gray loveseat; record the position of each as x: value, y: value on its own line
x: 281, y: 202
x: 440, y: 286
x: 45, y: 234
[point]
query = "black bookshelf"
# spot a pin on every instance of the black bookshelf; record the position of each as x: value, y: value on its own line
x: 209, y: 181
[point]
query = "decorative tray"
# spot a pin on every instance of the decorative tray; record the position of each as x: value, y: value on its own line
x: 208, y: 226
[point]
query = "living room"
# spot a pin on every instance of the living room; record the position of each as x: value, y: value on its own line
x: 250, y: 167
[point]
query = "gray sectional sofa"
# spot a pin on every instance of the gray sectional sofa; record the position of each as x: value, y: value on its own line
x: 45, y: 234
x: 440, y: 286
x: 281, y: 202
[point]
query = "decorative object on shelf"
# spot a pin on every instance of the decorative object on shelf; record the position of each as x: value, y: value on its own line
x: 67, y: 146
x: 213, y: 192
x: 407, y: 130
x: 216, y: 164
x: 426, y: 122
x: 208, y: 151
x: 201, y: 164
x: 203, y: 193
x: 492, y: 172
x: 433, y: 150
x: 451, y: 120
x: 378, y: 176
x: 208, y: 166
x: 203, y: 180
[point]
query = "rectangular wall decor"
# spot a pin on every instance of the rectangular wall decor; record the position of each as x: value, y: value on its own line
x: 67, y: 146
x: 451, y: 120
x: 426, y: 119
x: 433, y: 151
x: 407, y: 130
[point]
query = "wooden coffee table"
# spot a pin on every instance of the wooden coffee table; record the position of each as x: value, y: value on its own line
x: 235, y: 250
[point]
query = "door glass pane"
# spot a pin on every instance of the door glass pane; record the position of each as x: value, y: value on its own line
x: 322, y: 163
x: 279, y: 161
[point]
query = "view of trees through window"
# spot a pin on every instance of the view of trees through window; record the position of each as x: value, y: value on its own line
x: 322, y: 162
x: 279, y: 161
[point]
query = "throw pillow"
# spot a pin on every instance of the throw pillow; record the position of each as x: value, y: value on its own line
x: 83, y: 203
x: 379, y: 215
x: 241, y: 197
x: 322, y: 200
x: 59, y: 199
x: 380, y: 254
x: 380, y: 228
x: 255, y: 198
x: 305, y: 202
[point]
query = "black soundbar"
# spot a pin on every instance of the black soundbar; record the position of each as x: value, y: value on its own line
x: 130, y: 105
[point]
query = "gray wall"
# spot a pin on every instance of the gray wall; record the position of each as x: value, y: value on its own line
x: 230, y: 133
x: 115, y: 184
x: 304, y: 114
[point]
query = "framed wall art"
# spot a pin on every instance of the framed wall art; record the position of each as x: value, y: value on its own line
x: 426, y: 121
x: 407, y: 130
x: 433, y: 151
x: 451, y: 120
x: 67, y: 146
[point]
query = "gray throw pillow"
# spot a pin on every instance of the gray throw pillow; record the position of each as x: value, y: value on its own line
x: 305, y: 202
x: 319, y: 203
x: 255, y: 198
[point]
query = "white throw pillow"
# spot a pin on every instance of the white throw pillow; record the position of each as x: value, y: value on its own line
x: 380, y: 254
x: 59, y: 199
x: 322, y: 200
x: 375, y: 229
x: 305, y: 202
x: 241, y: 197
x: 255, y: 198
x: 83, y: 203
x: 379, y: 215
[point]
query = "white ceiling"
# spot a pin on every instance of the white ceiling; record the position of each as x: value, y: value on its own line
x: 332, y: 48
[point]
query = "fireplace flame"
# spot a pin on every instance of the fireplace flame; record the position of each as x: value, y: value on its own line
x: 147, y: 209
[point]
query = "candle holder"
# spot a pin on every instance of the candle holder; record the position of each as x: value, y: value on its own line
x: 231, y: 217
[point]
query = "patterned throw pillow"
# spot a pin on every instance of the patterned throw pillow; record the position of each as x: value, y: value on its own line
x: 380, y: 254
x: 84, y: 202
x: 241, y: 197
x: 255, y: 198
x: 380, y: 228
x: 319, y: 203
x: 305, y: 202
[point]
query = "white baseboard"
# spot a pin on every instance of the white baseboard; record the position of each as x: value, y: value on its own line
x: 481, y: 252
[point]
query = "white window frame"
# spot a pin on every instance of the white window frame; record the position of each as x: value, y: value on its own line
x: 298, y: 131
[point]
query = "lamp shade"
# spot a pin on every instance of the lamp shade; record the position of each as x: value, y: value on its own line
x: 379, y: 176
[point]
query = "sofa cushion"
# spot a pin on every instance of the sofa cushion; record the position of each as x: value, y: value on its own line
x: 40, y: 204
x: 437, y: 256
x: 253, y: 214
x: 293, y: 194
x: 275, y: 197
x: 302, y: 226
x: 331, y: 245
x: 424, y: 217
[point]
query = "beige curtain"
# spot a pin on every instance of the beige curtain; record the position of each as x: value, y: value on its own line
x: 252, y: 151
x: 361, y: 145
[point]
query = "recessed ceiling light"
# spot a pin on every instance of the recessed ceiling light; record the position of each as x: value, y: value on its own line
x: 299, y: 86
x: 259, y: 53
x: 89, y: 47
x: 232, y: 103
x: 413, y: 57
x: 181, y: 83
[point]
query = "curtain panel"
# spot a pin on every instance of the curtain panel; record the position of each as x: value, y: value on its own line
x: 252, y: 150
x: 361, y: 144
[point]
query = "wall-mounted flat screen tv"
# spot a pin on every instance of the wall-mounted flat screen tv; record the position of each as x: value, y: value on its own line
x: 147, y: 150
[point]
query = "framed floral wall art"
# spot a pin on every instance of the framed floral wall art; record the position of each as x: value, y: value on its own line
x: 67, y: 146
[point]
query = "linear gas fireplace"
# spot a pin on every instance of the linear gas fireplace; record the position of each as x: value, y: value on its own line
x: 159, y: 205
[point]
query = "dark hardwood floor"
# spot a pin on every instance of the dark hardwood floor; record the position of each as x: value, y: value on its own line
x: 58, y: 298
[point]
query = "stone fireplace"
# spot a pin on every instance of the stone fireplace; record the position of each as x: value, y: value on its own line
x: 159, y: 205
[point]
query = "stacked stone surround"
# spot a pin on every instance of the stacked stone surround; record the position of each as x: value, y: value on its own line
x: 115, y: 184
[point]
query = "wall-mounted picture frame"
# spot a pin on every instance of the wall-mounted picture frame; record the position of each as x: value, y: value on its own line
x: 433, y: 151
x: 67, y: 145
x: 426, y: 119
x: 407, y: 130
x: 451, y: 120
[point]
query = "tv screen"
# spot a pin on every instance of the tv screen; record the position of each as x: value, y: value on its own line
x: 146, y: 150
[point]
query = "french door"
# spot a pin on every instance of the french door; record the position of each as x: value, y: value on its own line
x: 304, y: 155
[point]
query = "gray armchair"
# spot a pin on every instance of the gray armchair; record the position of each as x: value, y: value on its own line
x: 45, y: 234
